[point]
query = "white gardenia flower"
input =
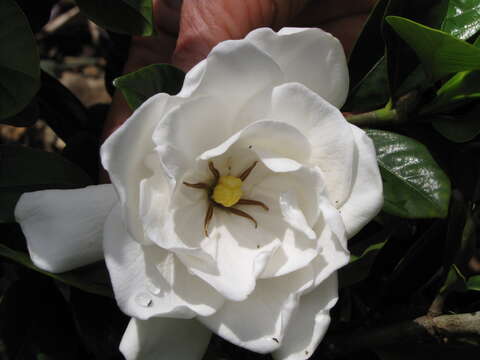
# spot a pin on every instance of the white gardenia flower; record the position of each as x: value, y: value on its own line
x: 230, y: 206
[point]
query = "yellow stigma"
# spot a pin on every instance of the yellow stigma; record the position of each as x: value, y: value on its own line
x: 228, y: 190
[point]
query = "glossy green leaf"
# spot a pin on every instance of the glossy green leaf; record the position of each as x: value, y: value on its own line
x: 25, y: 169
x: 462, y: 19
x: 440, y: 53
x: 132, y: 17
x: 139, y: 85
x: 92, y: 279
x: 473, y: 283
x: 19, y: 61
x: 414, y: 185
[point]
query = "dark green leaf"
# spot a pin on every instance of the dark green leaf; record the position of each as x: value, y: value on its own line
x: 92, y: 279
x: 455, y: 280
x: 132, y: 17
x: 27, y: 117
x: 37, y: 12
x: 369, y: 47
x: 139, y: 85
x: 457, y: 216
x: 101, y: 334
x: 463, y: 18
x: 440, y: 53
x: 462, y: 88
x: 359, y: 267
x: 420, y: 263
x: 473, y: 283
x: 19, y: 61
x: 36, y: 323
x: 459, y: 128
x: 414, y: 185
x: 371, y: 92
x: 24, y: 169
x: 66, y: 117
x: 401, y: 59
x: 459, y: 90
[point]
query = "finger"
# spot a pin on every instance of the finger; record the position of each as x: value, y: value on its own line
x: 204, y: 23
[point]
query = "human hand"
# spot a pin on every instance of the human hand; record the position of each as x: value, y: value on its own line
x: 188, y: 31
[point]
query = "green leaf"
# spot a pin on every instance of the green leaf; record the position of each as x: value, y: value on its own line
x: 439, y: 52
x: 401, y: 59
x: 132, y: 17
x: 455, y: 280
x: 369, y: 47
x: 25, y: 169
x: 459, y: 90
x: 459, y: 128
x: 463, y: 18
x: 360, y: 265
x: 414, y: 185
x: 67, y: 117
x: 19, y: 61
x: 92, y: 279
x: 473, y: 283
x: 371, y: 92
x: 139, y: 85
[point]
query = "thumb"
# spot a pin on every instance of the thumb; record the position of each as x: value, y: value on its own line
x: 205, y: 23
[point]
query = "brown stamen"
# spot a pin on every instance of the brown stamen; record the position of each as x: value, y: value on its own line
x: 241, y: 213
x: 208, y: 217
x: 247, y: 172
x: 214, y: 171
x: 199, y: 185
x: 252, y: 202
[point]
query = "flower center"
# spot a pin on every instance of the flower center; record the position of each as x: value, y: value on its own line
x: 228, y: 190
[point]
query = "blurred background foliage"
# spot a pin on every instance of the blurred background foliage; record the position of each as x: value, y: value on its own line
x: 411, y: 290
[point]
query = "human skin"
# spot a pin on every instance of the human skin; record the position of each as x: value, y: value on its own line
x: 188, y: 30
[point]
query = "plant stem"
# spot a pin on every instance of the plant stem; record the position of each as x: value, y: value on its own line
x: 420, y: 330
x: 377, y: 118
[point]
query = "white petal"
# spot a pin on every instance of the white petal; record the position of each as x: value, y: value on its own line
x: 124, y: 152
x: 270, y: 137
x: 188, y: 130
x: 259, y: 322
x: 297, y: 198
x: 241, y: 253
x: 330, y: 135
x: 233, y: 71
x: 310, y: 56
x: 293, y: 214
x: 164, y: 339
x: 310, y: 322
x: 64, y: 228
x: 149, y: 281
x: 366, y: 197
